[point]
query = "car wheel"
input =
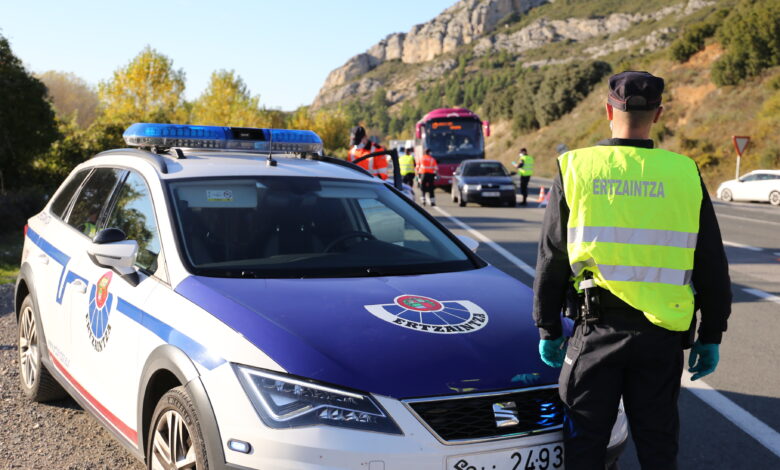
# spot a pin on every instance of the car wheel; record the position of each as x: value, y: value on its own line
x: 774, y: 198
x: 175, y: 438
x: 461, y: 200
x: 37, y: 384
x: 726, y: 195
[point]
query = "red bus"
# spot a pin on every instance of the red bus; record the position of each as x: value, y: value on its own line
x: 451, y: 135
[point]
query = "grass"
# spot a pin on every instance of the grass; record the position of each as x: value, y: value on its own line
x: 10, y: 255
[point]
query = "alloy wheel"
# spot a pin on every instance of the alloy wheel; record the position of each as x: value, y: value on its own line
x: 29, y: 358
x: 173, y: 448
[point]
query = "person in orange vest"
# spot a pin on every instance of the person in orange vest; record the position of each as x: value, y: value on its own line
x: 427, y: 168
x: 361, y: 146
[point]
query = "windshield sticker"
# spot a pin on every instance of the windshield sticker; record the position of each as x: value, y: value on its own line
x: 100, y: 303
x: 428, y: 315
x: 219, y: 195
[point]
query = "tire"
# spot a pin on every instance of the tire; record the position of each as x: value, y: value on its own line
x: 726, y: 195
x: 37, y: 383
x: 774, y: 198
x: 175, y: 410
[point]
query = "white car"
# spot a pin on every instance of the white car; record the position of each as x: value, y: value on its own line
x: 229, y: 298
x: 758, y: 185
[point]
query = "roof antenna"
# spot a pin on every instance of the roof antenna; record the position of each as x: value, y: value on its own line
x: 270, y: 161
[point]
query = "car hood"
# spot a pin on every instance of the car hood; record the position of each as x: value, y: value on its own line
x: 349, y: 332
x: 487, y: 179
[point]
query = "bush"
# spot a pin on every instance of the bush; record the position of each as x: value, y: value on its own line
x: 693, y: 38
x: 751, y: 35
x: 19, y: 205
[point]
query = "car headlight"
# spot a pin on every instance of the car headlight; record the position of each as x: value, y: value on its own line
x: 470, y: 187
x: 506, y: 187
x: 282, y: 401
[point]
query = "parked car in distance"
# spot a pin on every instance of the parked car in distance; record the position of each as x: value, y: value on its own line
x: 484, y: 182
x: 758, y: 185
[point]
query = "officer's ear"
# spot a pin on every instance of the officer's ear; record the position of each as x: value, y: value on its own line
x: 658, y: 114
x: 609, y: 111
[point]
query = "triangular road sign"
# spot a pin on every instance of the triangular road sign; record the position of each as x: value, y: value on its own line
x: 740, y: 143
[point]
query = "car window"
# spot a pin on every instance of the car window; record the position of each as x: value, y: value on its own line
x: 485, y: 169
x: 306, y: 227
x: 91, y: 201
x: 753, y: 177
x: 60, y: 203
x: 133, y: 213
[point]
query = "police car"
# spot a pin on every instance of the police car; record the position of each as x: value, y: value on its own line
x: 230, y: 298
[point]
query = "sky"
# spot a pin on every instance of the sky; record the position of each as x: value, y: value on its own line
x: 283, y: 49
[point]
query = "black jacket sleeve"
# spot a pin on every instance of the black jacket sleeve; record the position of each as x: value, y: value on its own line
x: 552, y: 265
x: 711, y: 275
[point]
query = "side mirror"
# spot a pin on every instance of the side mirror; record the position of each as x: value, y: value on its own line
x: 486, y: 128
x: 110, y: 249
x: 470, y: 243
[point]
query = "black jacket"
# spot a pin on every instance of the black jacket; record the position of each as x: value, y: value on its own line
x: 711, y: 281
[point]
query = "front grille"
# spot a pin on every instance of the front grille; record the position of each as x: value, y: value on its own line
x: 460, y: 418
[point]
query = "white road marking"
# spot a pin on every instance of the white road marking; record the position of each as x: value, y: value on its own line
x: 740, y: 245
x: 498, y: 248
x: 751, y: 425
x: 748, y: 423
x: 748, y: 219
x: 763, y: 295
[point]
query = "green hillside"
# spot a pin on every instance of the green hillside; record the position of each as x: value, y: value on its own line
x: 720, y: 60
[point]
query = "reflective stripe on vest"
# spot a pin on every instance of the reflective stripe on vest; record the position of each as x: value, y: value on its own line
x: 634, y: 222
x: 528, y: 166
x: 427, y: 165
x: 406, y: 164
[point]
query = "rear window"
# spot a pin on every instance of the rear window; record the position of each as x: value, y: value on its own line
x: 485, y: 169
x: 60, y: 203
x: 285, y: 227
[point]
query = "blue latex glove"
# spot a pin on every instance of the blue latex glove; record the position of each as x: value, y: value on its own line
x: 552, y: 352
x: 703, y: 359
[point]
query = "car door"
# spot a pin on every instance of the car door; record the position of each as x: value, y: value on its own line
x: 106, y: 330
x: 49, y: 259
x: 743, y: 190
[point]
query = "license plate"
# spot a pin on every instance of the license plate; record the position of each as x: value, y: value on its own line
x: 544, y: 457
x: 491, y: 194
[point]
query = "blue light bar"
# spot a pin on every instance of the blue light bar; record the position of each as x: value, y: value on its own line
x: 226, y: 138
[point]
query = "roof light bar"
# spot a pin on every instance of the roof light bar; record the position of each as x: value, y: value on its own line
x: 226, y: 138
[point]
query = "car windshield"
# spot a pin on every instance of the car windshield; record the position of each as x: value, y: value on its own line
x: 292, y: 227
x: 455, y: 138
x: 485, y: 169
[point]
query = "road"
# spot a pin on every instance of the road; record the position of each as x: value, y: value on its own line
x: 746, y: 385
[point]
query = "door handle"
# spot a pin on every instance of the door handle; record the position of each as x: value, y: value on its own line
x: 79, y: 286
x: 43, y: 258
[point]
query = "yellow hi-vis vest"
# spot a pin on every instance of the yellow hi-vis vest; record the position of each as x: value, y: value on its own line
x: 633, y: 223
x: 406, y: 164
x: 528, y: 166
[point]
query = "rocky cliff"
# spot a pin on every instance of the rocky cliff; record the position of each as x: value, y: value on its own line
x: 426, y: 48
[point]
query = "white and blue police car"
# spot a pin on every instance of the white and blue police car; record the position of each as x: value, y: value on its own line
x: 230, y: 298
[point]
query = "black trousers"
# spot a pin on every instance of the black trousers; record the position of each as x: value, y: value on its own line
x: 408, y: 179
x: 524, y: 187
x: 428, y: 187
x: 621, y: 355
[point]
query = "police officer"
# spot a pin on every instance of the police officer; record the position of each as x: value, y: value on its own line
x: 427, y: 168
x: 525, y: 168
x: 406, y: 164
x: 361, y: 146
x: 632, y: 229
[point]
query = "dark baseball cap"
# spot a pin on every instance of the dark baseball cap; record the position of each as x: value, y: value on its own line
x: 635, y: 91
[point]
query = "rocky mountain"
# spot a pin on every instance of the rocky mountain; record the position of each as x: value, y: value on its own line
x: 429, y: 50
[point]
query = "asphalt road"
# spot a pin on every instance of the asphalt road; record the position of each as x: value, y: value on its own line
x: 747, y: 382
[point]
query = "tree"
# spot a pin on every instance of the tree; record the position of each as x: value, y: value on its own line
x: 228, y: 102
x: 71, y: 97
x: 148, y: 89
x: 27, y: 125
x: 331, y: 125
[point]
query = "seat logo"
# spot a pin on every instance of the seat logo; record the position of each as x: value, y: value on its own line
x: 428, y: 315
x: 100, y: 303
x: 505, y: 414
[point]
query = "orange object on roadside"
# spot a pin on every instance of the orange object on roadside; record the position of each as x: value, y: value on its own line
x: 541, y: 195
